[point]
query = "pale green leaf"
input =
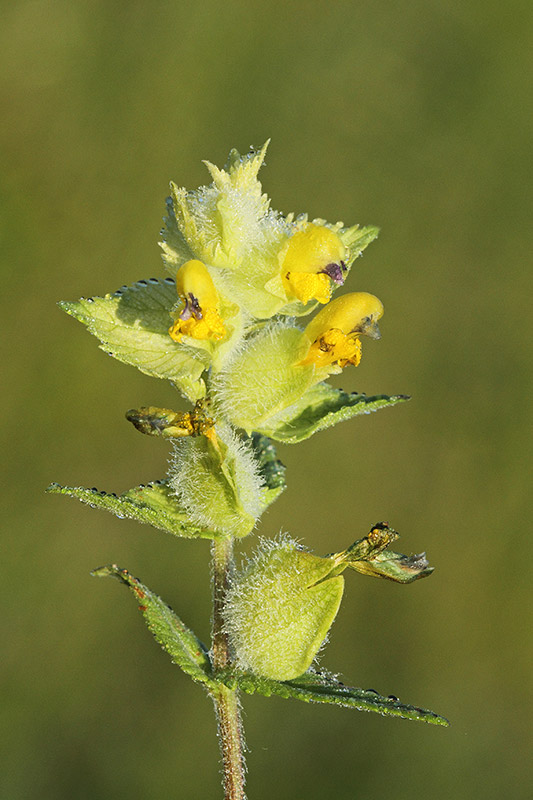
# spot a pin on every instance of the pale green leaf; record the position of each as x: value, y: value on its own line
x: 132, y: 325
x: 176, y: 250
x: 317, y: 687
x: 153, y: 503
x: 184, y: 648
x: 321, y: 407
x: 357, y: 239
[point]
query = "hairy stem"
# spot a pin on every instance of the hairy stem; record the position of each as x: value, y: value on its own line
x: 226, y: 700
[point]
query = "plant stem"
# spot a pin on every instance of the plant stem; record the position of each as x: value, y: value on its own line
x: 226, y: 700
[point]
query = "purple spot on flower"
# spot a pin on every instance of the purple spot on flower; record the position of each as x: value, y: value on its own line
x: 192, y: 308
x: 335, y: 272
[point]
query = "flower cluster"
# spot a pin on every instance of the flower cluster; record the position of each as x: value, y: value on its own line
x: 223, y: 328
x: 243, y: 273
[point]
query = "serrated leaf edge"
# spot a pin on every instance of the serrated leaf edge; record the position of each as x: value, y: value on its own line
x: 326, y: 690
x: 189, y: 665
x: 161, y: 521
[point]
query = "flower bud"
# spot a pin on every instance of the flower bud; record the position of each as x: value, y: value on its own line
x: 280, y: 608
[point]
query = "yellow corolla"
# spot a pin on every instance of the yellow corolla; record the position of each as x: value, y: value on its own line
x: 200, y: 316
x: 334, y: 334
x: 313, y: 262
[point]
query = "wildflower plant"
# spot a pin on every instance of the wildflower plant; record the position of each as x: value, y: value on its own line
x: 246, y: 328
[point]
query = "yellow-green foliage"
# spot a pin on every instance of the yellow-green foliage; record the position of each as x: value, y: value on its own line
x: 218, y: 484
x: 264, y: 376
x: 279, y: 609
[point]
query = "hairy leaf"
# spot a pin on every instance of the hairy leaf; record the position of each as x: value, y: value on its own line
x: 174, y: 245
x: 154, y: 503
x: 132, y: 325
x: 357, y: 239
x: 321, y: 407
x: 184, y: 648
x: 318, y: 687
x: 271, y: 469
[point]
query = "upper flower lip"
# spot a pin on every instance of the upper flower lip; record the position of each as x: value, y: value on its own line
x: 310, y: 253
x: 356, y: 313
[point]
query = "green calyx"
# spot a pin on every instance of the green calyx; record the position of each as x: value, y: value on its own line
x: 281, y: 606
x: 279, y: 610
x: 217, y: 479
x: 264, y: 377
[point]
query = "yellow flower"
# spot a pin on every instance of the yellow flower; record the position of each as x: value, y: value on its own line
x: 313, y: 261
x: 334, y: 332
x: 200, y: 316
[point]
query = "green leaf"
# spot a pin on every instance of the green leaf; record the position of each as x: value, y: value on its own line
x: 318, y: 687
x: 154, y: 503
x: 321, y: 407
x: 132, y: 325
x: 176, y: 250
x: 272, y: 471
x: 357, y: 239
x: 184, y: 648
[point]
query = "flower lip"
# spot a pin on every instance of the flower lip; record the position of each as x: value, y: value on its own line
x: 199, y: 318
x: 354, y: 313
x: 334, y: 333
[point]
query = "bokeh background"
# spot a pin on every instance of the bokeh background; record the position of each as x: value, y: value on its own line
x: 413, y: 116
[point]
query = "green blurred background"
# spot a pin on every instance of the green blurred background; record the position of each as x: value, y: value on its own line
x: 412, y: 116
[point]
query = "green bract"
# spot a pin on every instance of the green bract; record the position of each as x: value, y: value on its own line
x: 132, y: 325
x: 227, y: 329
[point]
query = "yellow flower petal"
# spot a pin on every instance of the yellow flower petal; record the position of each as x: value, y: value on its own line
x: 307, y: 286
x: 199, y: 318
x: 334, y: 347
x: 311, y: 262
x: 313, y: 249
x: 210, y: 326
x: 194, y: 279
x: 334, y: 333
x: 357, y: 312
